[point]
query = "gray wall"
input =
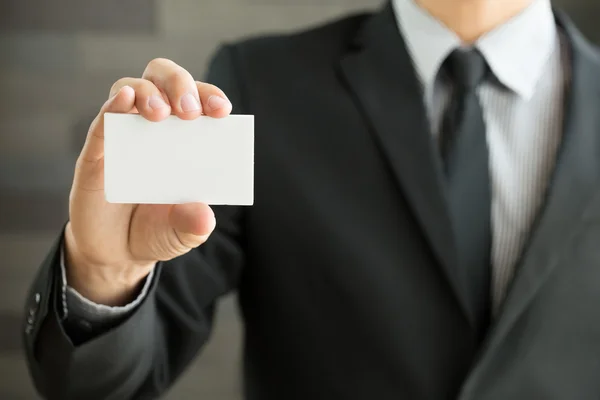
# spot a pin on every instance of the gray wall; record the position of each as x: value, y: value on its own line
x: 58, y: 59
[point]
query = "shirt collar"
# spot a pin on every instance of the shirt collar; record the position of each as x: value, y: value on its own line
x: 516, y: 51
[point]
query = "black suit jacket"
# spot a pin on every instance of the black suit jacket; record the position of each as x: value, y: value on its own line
x: 343, y: 265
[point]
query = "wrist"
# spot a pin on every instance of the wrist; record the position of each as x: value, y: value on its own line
x: 110, y: 285
x: 103, y: 288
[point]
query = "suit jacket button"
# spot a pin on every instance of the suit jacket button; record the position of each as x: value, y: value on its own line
x: 32, y: 312
x: 83, y: 324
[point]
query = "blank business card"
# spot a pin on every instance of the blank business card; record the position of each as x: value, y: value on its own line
x: 174, y: 161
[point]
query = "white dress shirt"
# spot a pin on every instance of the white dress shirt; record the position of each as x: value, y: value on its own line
x: 523, y: 111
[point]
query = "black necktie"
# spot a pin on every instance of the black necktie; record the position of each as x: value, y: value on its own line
x: 465, y: 155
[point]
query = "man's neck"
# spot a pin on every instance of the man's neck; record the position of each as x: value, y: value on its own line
x: 470, y: 19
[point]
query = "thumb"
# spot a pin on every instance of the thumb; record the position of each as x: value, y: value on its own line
x: 163, y: 232
x: 192, y: 223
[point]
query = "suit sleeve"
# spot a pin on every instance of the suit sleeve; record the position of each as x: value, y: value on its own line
x: 142, y: 355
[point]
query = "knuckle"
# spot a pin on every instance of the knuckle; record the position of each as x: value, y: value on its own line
x: 157, y: 61
x: 212, y: 88
x: 178, y: 76
x: 208, y: 89
x: 158, y: 66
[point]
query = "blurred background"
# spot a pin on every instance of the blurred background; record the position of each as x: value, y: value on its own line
x: 58, y: 60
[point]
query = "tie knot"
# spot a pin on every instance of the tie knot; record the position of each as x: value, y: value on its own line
x: 467, y: 68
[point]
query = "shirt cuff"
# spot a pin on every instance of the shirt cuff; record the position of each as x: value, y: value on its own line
x: 80, y: 307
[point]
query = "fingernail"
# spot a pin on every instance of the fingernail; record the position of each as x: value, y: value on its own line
x: 156, y: 102
x: 189, y: 103
x: 216, y: 102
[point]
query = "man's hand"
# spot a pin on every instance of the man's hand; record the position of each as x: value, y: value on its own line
x: 110, y: 248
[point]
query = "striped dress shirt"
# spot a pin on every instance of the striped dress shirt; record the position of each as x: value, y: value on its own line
x: 523, y: 112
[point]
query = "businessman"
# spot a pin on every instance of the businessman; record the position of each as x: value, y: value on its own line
x: 426, y: 219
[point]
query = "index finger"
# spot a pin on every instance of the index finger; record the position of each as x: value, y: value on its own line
x: 122, y: 102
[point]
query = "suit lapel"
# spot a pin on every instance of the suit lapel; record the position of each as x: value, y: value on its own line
x: 381, y: 76
x: 575, y: 181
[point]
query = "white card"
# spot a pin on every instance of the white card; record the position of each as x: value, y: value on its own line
x: 174, y: 161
